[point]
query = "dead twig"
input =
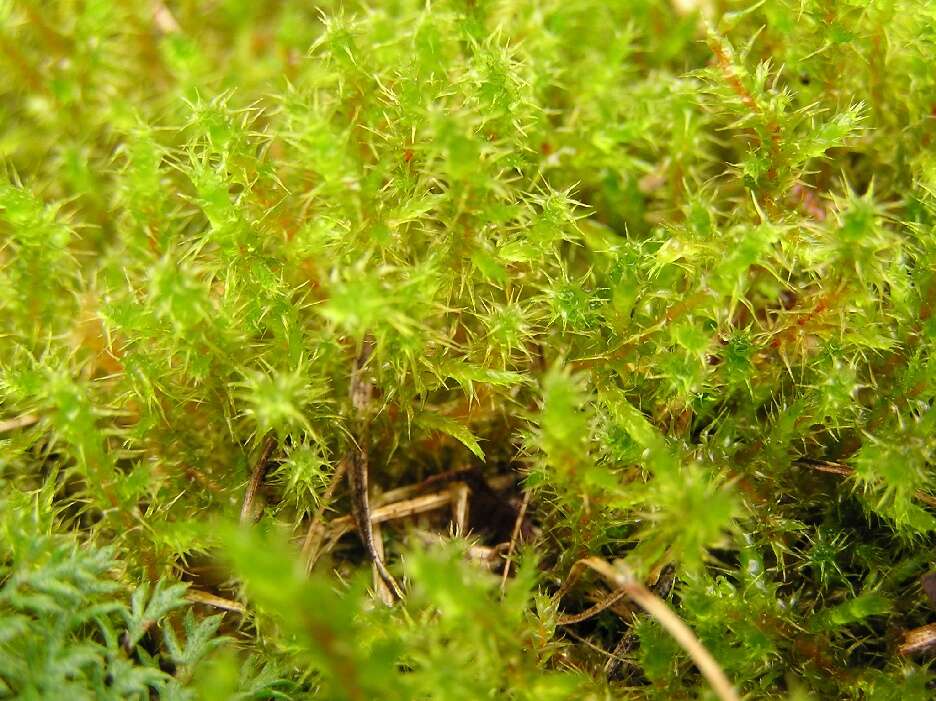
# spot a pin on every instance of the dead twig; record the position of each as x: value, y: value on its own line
x: 835, y: 468
x: 918, y: 640
x: 460, y: 493
x: 612, y: 656
x: 617, y: 655
x: 831, y: 468
x: 380, y: 586
x: 514, y: 537
x: 657, y: 608
x: 399, y: 507
x: 311, y: 546
x: 395, y: 511
x: 683, y: 635
x: 202, y: 597
x: 483, y: 555
x: 577, y: 568
x: 18, y: 422
x: 256, y: 479
x: 361, y: 392
x: 605, y: 603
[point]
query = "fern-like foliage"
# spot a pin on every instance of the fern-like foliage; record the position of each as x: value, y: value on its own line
x: 67, y: 628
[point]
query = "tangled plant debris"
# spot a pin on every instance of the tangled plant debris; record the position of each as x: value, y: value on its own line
x: 527, y: 349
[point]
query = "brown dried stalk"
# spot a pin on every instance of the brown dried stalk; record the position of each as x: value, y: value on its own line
x: 604, y: 603
x: 394, y: 511
x: 628, y: 586
x: 202, y: 597
x: 397, y: 504
x: 835, y: 468
x: 256, y: 479
x: 313, y: 539
x: 18, y: 422
x: 380, y: 586
x: 460, y: 493
x: 918, y: 640
x: 361, y: 395
x: 514, y: 537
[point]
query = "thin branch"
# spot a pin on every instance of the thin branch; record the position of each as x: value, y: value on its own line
x: 18, y: 422
x: 380, y: 586
x: 313, y: 539
x: 919, y: 639
x: 577, y: 568
x: 617, y: 655
x: 683, y: 635
x: 514, y: 537
x: 483, y: 555
x: 201, y: 597
x: 460, y: 493
x: 830, y: 468
x: 256, y: 479
x: 396, y: 510
x: 612, y: 656
x: 665, y: 616
x: 836, y: 468
x: 605, y: 603
x: 361, y: 392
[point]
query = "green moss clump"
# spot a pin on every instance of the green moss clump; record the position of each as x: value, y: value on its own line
x: 669, y: 266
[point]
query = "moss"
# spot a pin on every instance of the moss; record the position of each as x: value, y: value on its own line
x: 666, y: 268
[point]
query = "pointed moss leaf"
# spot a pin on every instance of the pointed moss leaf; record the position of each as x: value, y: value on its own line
x: 852, y: 611
x: 448, y: 426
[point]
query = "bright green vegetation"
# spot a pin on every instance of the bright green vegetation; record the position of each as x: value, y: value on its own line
x: 675, y: 269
